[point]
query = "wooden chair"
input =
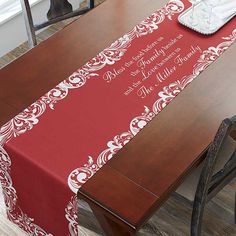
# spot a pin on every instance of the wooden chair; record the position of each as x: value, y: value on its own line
x: 59, y: 10
x: 217, y: 170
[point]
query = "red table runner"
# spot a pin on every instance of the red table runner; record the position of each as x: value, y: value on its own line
x: 74, y: 129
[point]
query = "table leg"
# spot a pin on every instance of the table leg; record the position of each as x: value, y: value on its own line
x: 110, y: 227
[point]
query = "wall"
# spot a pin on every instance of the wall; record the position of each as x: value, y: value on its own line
x: 13, y: 33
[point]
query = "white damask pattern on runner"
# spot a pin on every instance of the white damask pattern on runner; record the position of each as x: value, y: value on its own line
x: 30, y: 116
x: 80, y: 175
x: 27, y: 119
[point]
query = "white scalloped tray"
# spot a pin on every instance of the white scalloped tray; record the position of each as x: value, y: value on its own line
x: 201, y: 20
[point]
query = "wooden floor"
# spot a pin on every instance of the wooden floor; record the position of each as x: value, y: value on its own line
x: 173, y: 219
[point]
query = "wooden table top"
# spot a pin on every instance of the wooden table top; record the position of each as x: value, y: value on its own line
x: 35, y: 73
x: 154, y: 163
x: 170, y: 144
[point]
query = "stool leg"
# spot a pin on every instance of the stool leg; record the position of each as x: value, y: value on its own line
x: 29, y: 23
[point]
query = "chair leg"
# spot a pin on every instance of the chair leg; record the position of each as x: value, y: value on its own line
x: 235, y: 208
x: 29, y: 23
x: 196, y: 221
x: 90, y: 4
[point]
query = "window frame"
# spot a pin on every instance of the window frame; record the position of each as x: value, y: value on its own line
x: 11, y: 8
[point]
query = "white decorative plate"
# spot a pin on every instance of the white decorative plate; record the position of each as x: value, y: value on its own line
x: 203, y: 20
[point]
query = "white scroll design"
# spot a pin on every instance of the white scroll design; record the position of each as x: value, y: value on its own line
x: 14, y: 213
x: 80, y: 175
x: 29, y: 117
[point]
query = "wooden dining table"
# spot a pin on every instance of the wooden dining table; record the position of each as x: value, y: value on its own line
x: 139, y: 179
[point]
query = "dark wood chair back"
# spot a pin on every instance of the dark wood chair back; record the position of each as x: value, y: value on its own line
x: 59, y: 10
x: 212, y: 181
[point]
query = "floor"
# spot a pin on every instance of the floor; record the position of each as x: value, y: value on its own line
x: 173, y: 219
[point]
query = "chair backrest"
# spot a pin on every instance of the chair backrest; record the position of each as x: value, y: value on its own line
x: 213, y: 178
x: 59, y: 10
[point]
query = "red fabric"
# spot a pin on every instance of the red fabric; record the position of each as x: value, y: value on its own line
x: 82, y: 124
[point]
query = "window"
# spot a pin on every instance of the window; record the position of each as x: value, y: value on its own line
x: 11, y: 8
